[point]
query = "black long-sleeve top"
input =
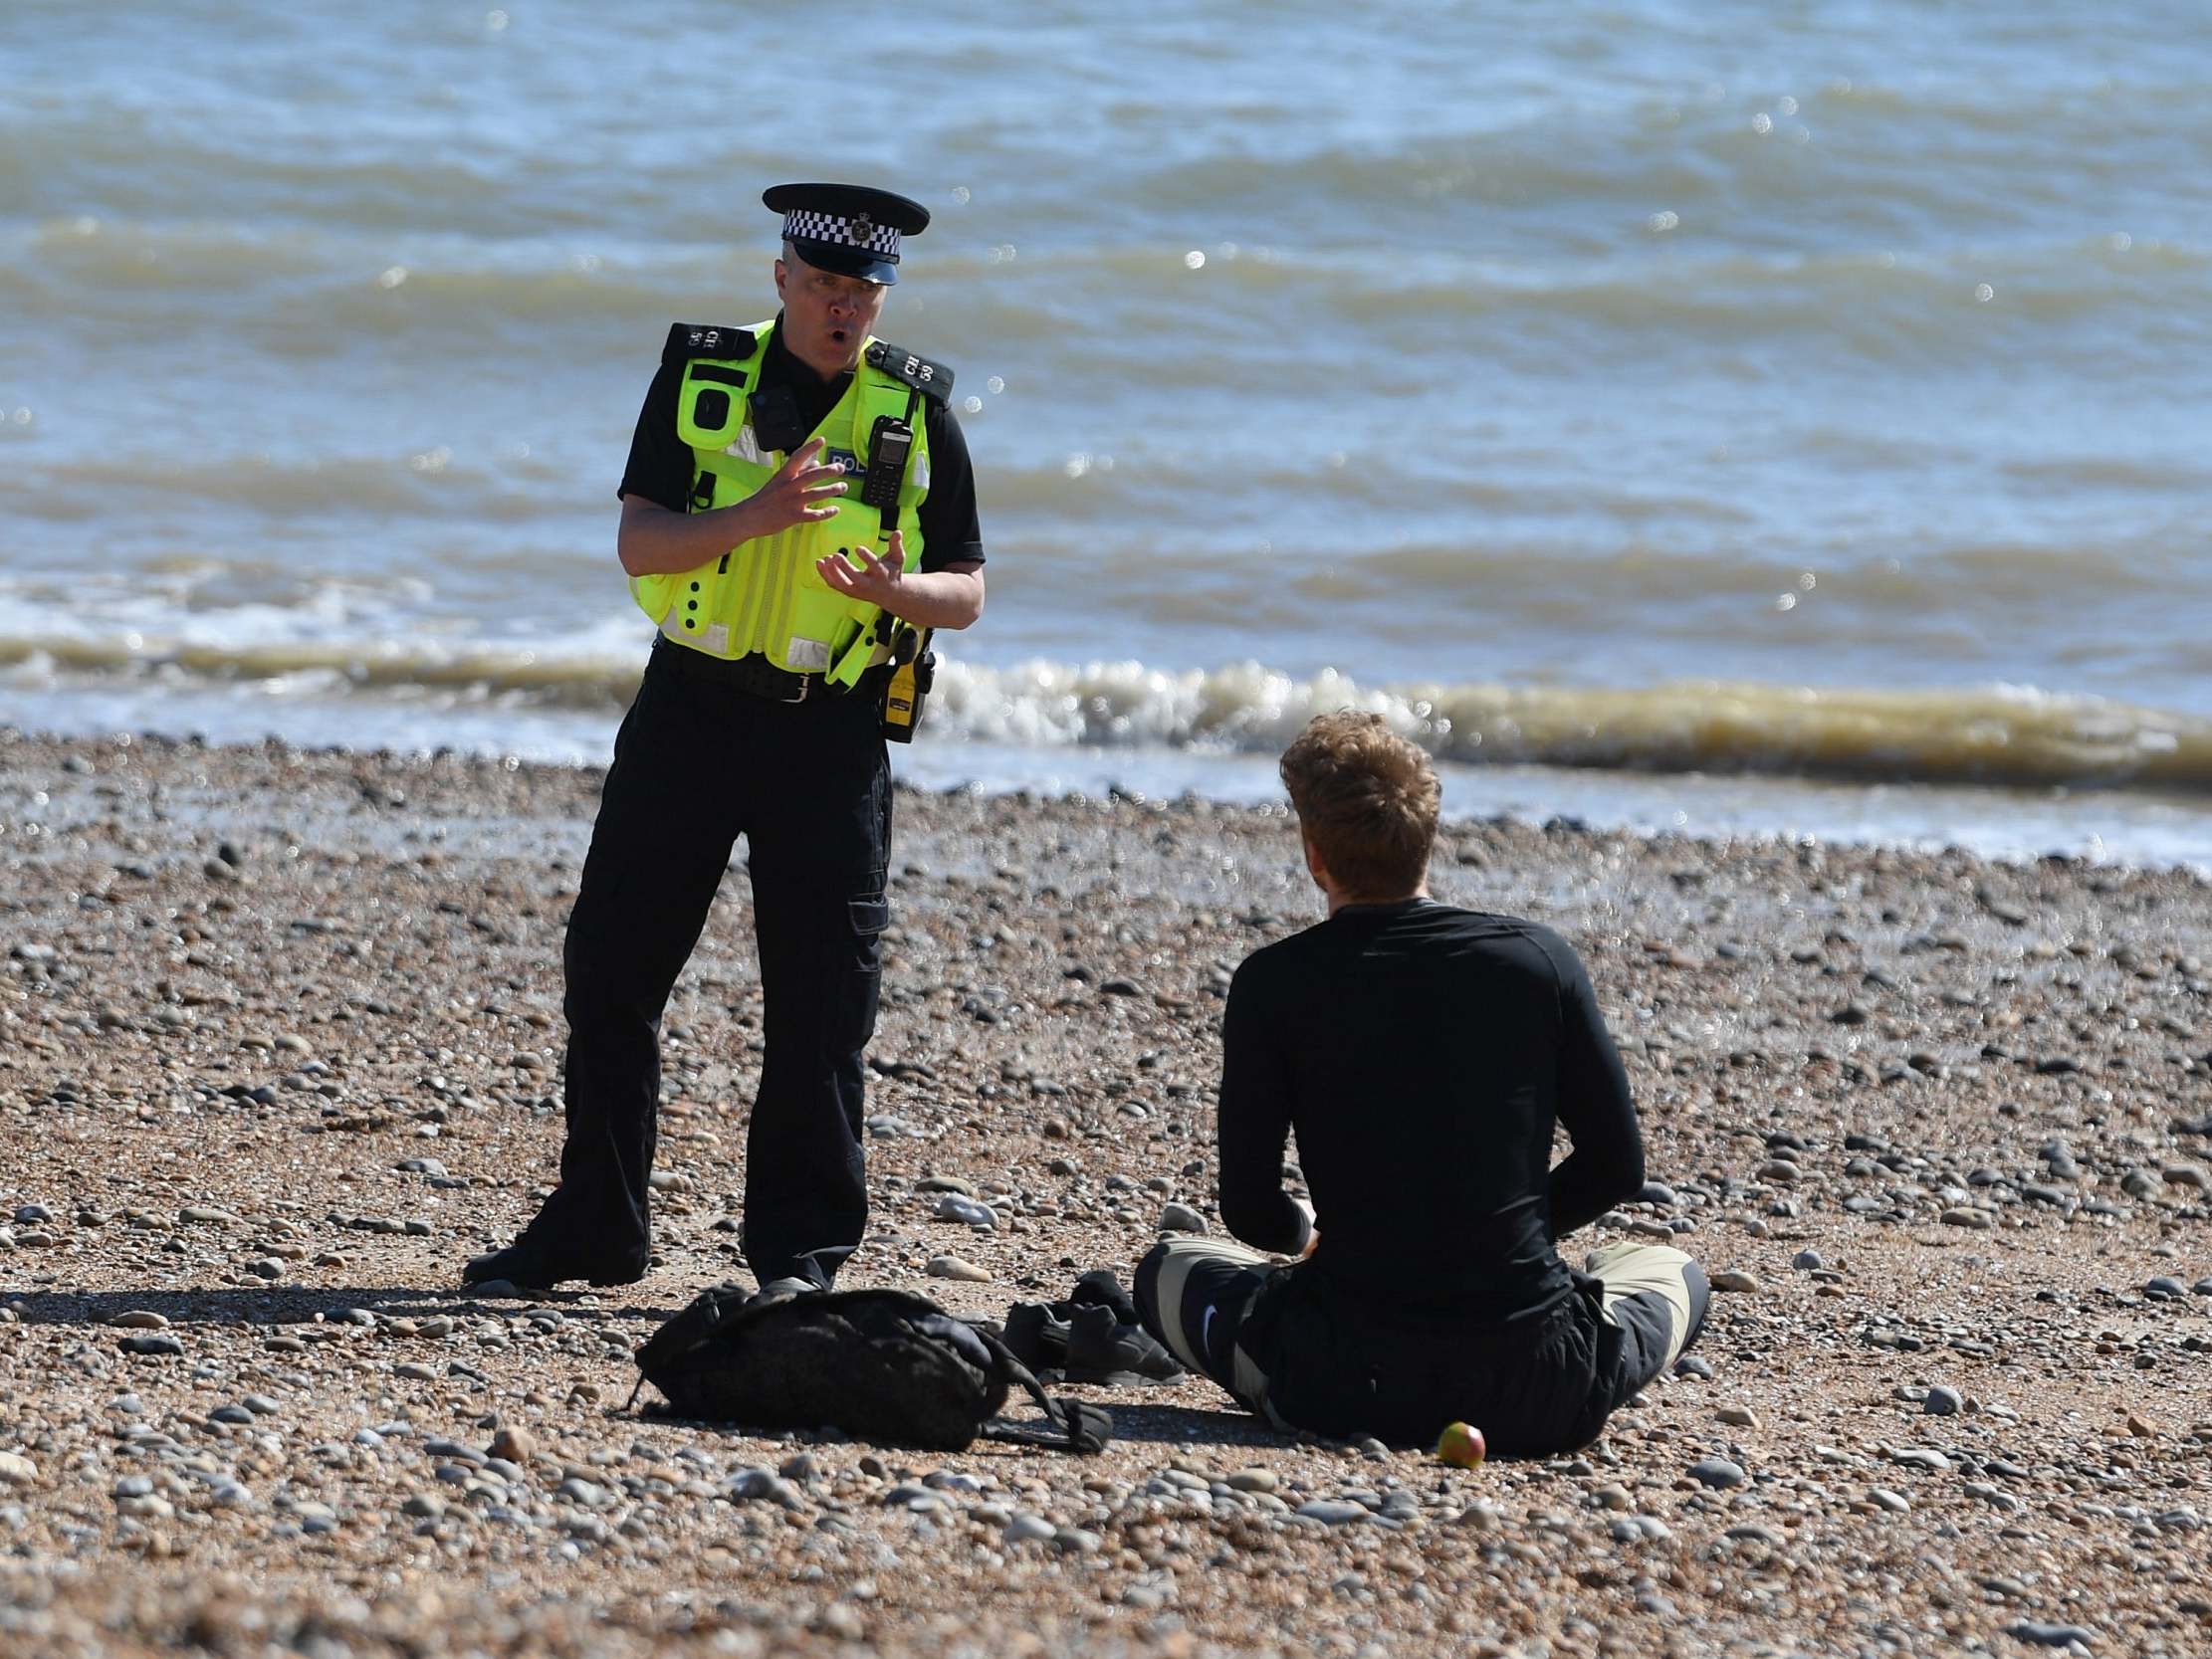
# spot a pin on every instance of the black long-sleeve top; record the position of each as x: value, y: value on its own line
x: 1422, y: 1054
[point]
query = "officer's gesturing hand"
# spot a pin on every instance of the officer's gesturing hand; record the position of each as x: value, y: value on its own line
x: 948, y: 598
x: 875, y: 581
x: 798, y: 492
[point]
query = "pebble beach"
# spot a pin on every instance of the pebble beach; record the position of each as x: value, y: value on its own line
x: 280, y: 1046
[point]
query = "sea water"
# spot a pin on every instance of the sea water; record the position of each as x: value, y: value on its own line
x: 1723, y: 416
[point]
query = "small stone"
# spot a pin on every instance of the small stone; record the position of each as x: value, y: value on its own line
x: 1942, y: 1402
x: 1074, y: 1541
x: 1180, y: 1218
x: 423, y: 1506
x: 954, y: 1208
x: 1717, y: 1472
x: 160, y: 1344
x: 1808, y: 1261
x: 1738, y: 1416
x: 2039, y: 1633
x: 1332, y: 1512
x: 1883, y: 1499
x: 140, y: 1318
x: 2164, y: 1289
x: 1923, y: 1457
x: 1253, y: 1480
x: 2143, y: 1428
x: 1693, y: 1364
x: 952, y: 1266
x: 1029, y: 1528
x: 414, y: 1371
x: 1960, y: 1216
x: 17, y: 1470
x: 513, y: 1443
x: 1752, y: 1531
x: 758, y: 1484
x: 1728, y: 1279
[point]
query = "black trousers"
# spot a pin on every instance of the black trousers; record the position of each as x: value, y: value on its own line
x: 1302, y: 1358
x: 697, y: 763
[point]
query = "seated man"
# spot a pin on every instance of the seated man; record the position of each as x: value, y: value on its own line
x: 1422, y: 1054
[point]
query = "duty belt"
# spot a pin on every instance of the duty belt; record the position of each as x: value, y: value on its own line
x: 755, y: 675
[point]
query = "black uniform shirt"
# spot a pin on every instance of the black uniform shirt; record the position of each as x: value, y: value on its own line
x: 661, y: 466
x: 1423, y: 1054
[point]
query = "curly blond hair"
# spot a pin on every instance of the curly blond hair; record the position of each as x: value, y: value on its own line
x: 1367, y: 800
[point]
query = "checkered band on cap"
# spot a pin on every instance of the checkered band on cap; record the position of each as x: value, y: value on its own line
x: 808, y: 224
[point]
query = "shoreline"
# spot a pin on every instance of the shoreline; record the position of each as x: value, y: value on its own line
x: 2107, y: 827
x: 1953, y: 1083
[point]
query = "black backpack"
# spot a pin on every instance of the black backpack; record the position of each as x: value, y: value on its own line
x: 882, y: 1366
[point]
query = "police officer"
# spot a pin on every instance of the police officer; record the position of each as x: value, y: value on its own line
x: 798, y: 514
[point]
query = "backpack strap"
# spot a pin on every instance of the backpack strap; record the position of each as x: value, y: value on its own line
x: 1074, y: 1427
x: 710, y: 1311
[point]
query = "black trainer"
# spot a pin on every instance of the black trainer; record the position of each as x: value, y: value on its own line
x: 1101, y: 1349
x: 1037, y: 1334
x: 1101, y: 1288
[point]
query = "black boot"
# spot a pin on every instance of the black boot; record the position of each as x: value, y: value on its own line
x: 539, y: 1260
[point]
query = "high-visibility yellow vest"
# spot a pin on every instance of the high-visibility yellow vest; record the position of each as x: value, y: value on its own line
x: 764, y: 595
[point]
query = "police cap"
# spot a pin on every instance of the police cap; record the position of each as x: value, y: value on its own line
x: 848, y: 227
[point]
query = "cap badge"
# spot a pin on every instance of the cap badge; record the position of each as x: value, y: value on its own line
x: 861, y: 229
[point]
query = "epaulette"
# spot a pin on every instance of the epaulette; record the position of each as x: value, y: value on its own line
x: 930, y: 379
x: 687, y: 340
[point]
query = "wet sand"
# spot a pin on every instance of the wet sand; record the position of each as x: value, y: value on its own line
x: 280, y: 1042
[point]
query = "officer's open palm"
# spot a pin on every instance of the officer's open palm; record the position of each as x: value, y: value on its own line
x: 801, y: 490
x: 872, y: 580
